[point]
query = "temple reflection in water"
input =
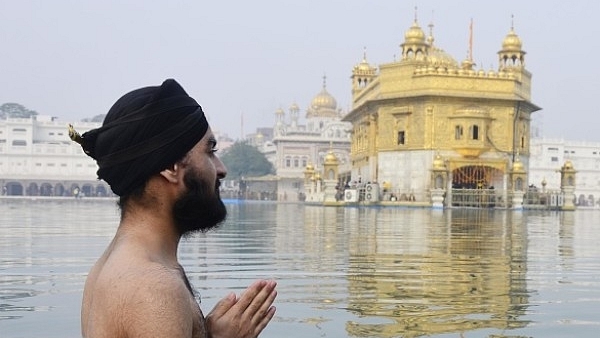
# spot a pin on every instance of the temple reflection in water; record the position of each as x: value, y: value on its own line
x: 462, y: 270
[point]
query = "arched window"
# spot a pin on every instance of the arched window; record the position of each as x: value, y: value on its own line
x: 439, y: 182
x: 474, y: 132
x: 519, y: 184
x: 458, y: 132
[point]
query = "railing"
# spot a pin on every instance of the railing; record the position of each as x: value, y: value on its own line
x: 546, y: 199
x: 478, y: 198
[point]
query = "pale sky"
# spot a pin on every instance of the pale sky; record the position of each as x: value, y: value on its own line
x: 74, y: 59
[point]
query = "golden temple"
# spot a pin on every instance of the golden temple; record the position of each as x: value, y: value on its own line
x: 426, y: 112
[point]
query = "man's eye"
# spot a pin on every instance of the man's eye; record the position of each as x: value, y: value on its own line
x: 214, y: 150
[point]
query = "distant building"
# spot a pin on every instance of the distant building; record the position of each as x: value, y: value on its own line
x: 296, y: 145
x: 37, y: 158
x: 548, y: 155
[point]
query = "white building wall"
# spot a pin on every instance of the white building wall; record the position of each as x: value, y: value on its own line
x: 39, y: 149
x: 547, y: 156
x: 408, y: 172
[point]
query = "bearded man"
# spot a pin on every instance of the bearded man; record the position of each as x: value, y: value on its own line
x: 157, y: 152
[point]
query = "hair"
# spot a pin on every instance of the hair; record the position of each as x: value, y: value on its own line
x: 137, y: 194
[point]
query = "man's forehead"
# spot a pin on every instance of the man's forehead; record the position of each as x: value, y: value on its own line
x: 208, y: 137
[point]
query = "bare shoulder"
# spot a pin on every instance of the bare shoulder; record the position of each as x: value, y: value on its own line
x: 162, y: 304
x: 141, y: 299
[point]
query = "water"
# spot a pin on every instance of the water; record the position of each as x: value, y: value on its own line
x: 341, y: 272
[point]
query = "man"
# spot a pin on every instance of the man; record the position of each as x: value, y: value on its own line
x: 157, y: 152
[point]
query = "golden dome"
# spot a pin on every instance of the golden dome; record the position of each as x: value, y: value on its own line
x: 512, y: 42
x: 279, y: 112
x: 331, y: 159
x: 414, y: 35
x: 439, y: 58
x: 364, y: 66
x: 438, y: 163
x: 324, y: 100
x: 294, y: 106
x: 310, y: 167
x: 518, y: 165
x: 568, y: 165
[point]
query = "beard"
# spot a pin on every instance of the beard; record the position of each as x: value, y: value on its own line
x: 200, y: 208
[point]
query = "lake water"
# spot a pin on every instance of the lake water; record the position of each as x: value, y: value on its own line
x: 341, y: 272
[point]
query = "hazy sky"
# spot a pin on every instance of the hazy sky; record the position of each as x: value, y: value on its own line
x: 73, y: 59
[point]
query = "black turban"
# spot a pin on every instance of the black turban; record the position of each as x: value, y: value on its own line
x: 144, y: 132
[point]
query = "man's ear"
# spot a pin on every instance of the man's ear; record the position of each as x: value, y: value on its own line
x: 173, y: 173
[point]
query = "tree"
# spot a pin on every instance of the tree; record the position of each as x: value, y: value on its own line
x: 243, y: 160
x: 15, y: 110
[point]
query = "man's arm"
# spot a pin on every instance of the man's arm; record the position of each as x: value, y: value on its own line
x: 161, y: 307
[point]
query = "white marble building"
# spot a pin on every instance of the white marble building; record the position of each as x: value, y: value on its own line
x: 548, y: 155
x: 37, y: 158
x: 296, y: 145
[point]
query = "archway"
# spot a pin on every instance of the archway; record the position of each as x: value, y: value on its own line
x: 87, y: 190
x: 101, y: 191
x: 14, y: 189
x: 476, y: 177
x: 474, y: 186
x: 59, y: 190
x: 33, y: 190
x: 46, y: 189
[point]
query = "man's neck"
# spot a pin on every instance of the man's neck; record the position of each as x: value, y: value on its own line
x: 154, y: 228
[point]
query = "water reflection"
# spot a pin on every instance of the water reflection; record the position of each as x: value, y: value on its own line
x: 428, y: 273
x: 341, y: 272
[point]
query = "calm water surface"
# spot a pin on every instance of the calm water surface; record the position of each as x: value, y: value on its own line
x: 342, y: 272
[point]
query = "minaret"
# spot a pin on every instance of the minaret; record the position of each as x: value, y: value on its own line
x: 511, y: 56
x: 279, y: 122
x: 294, y: 113
x: 362, y: 74
x: 414, y: 47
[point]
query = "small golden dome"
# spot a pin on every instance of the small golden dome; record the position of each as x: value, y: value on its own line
x: 414, y: 35
x: 331, y: 159
x: 279, y: 112
x: 512, y: 42
x: 438, y: 163
x: 364, y: 66
x: 518, y: 165
x: 294, y: 107
x: 439, y: 58
x: 310, y: 167
x: 568, y: 165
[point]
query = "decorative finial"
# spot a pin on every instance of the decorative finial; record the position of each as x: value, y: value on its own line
x: 364, y: 54
x: 324, y: 80
x: 430, y: 38
x: 471, y: 41
x: 512, y: 22
x: 74, y: 135
x: 415, y: 14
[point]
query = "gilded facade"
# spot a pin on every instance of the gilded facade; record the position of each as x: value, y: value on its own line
x: 426, y: 105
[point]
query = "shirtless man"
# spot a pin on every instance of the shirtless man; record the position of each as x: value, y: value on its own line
x: 157, y: 152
